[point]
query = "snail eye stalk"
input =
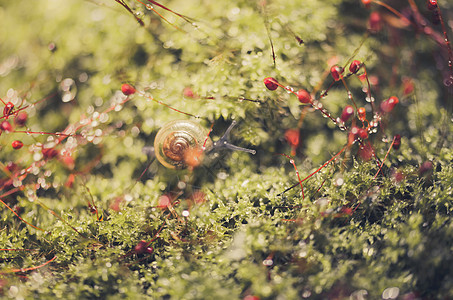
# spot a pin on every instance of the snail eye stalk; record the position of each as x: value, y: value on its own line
x: 223, y: 142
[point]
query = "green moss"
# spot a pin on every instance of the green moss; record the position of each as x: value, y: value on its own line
x: 354, y: 231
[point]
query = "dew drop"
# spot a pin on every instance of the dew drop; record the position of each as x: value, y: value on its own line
x: 68, y: 89
x: 181, y: 185
x: 268, y: 262
x: 149, y: 7
x: 17, y: 182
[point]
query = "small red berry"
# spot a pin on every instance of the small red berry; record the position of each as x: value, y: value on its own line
x: 303, y: 96
x: 398, y: 176
x: 127, y: 89
x: 347, y: 113
x: 397, y: 142
x: 17, y: 144
x: 363, y: 133
x: 408, y: 86
x: 366, y: 152
x: 336, y: 72
x: 359, y: 132
x: 141, y: 247
x: 355, y: 66
x: 432, y: 4
x: 21, y: 118
x: 271, y: 83
x: 6, y: 126
x: 366, y: 3
x: 251, y: 297
x: 425, y: 169
x: 362, y: 114
x: 389, y: 104
x: 10, y: 166
x: 8, y: 109
x: 164, y: 202
x: 375, y: 22
x: 188, y: 92
x: 49, y: 153
x: 292, y: 137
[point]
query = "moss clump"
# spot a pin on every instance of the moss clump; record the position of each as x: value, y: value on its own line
x: 111, y: 222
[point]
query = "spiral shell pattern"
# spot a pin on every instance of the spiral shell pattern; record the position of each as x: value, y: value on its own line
x: 178, y: 139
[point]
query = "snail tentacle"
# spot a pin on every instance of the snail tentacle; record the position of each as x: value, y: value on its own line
x: 223, y: 142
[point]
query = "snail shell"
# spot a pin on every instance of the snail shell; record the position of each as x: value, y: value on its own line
x: 179, y: 144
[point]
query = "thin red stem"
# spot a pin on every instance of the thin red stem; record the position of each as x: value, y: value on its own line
x: 170, y: 107
x: 382, y: 163
x: 297, y: 173
x: 19, y: 216
x: 29, y: 269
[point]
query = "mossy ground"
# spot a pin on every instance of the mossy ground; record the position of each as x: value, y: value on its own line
x: 354, y: 234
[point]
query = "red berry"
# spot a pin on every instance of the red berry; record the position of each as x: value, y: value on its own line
x: 363, y: 133
x: 164, y: 202
x: 366, y: 152
x: 8, y: 109
x: 375, y: 22
x: 250, y: 297
x: 432, y: 4
x: 366, y: 2
x: 49, y: 153
x: 359, y: 132
x: 188, y: 92
x: 141, y: 247
x: 21, y: 118
x: 127, y: 89
x: 336, y: 72
x: 10, y: 166
x: 397, y: 142
x: 389, y: 104
x: 408, y: 86
x: 362, y: 114
x: 271, y: 83
x: 292, y: 137
x: 303, y: 96
x: 347, y: 113
x: 17, y: 144
x: 426, y: 168
x: 355, y: 66
x: 6, y: 126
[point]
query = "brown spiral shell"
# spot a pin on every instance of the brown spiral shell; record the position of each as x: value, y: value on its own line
x: 176, y: 142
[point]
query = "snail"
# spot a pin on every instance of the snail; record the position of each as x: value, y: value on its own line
x: 181, y: 143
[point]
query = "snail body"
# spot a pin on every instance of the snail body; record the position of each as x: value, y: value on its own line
x: 180, y: 144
